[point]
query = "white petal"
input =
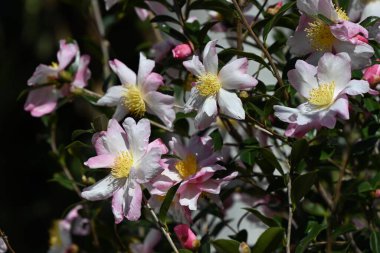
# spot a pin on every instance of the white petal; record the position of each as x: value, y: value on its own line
x: 303, y: 78
x: 207, y: 114
x: 230, y: 104
x: 112, y: 96
x: 194, y: 66
x: 145, y: 68
x: 138, y: 136
x: 234, y: 75
x: 102, y: 189
x: 125, y: 74
x: 210, y: 58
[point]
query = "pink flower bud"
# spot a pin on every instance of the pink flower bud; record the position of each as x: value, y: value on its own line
x: 181, y: 51
x: 372, y: 74
x: 186, y: 236
x: 377, y: 193
x: 273, y: 9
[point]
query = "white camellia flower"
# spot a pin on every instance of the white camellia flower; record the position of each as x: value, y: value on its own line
x: 210, y: 92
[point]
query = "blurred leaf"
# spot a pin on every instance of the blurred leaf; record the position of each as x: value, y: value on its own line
x: 167, y: 203
x: 223, y: 7
x: 272, y: 22
x: 174, y: 33
x: 79, y: 132
x: 266, y: 220
x: 217, y: 139
x: 302, y: 185
x: 61, y: 179
x: 75, y: 145
x: 312, y: 231
x: 184, y: 251
x: 299, y: 151
x: 269, y: 241
x: 163, y: 19
x: 374, y: 242
x: 100, y: 123
x: 268, y: 162
x: 365, y: 187
x: 241, y: 236
x: 364, y: 146
x: 314, y: 208
x: 369, y: 21
x: 371, y: 105
x: 230, y: 52
x: 226, y: 246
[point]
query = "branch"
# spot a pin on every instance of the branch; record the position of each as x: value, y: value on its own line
x: 290, y: 218
x: 5, y: 239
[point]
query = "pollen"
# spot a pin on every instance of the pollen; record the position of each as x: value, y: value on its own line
x: 187, y: 167
x: 319, y: 33
x: 322, y: 96
x: 122, y: 165
x: 134, y: 102
x: 208, y: 85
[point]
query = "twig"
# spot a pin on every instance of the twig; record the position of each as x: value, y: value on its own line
x: 6, y: 241
x: 154, y: 123
x: 259, y: 43
x: 263, y: 128
x: 290, y: 218
x: 104, y: 44
x: 163, y: 230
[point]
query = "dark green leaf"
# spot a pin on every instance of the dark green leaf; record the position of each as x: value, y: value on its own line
x: 365, y: 187
x: 302, y: 185
x: 167, y: 203
x: 269, y: 241
x: 266, y: 220
x: 272, y: 22
x: 312, y: 231
x: 163, y: 19
x: 299, y: 151
x: 226, y: 246
x: 61, y: 179
x: 230, y: 52
x: 217, y: 139
x: 374, y: 242
x: 241, y: 236
x: 369, y: 21
x: 268, y: 162
x: 79, y: 132
x: 100, y: 123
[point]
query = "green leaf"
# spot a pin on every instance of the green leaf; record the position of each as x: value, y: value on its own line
x: 226, y: 246
x: 374, y: 241
x: 302, y: 185
x: 241, y: 236
x: 269, y: 241
x: 167, y: 203
x: 163, y: 19
x: 365, y: 187
x: 272, y: 22
x: 79, y: 132
x: 266, y: 220
x: 312, y: 231
x: 184, y: 251
x: 100, y: 123
x: 268, y: 162
x: 369, y: 21
x: 230, y: 52
x: 61, y: 179
x: 223, y: 7
x: 300, y: 149
x: 217, y: 139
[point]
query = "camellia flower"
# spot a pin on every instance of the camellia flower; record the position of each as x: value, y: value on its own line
x: 194, y: 171
x: 52, y: 82
x: 372, y: 74
x: 326, y: 88
x: 133, y: 162
x: 138, y: 94
x: 315, y: 36
x: 181, y: 51
x: 3, y: 246
x: 60, y: 233
x: 186, y: 237
x: 150, y: 241
x: 210, y: 92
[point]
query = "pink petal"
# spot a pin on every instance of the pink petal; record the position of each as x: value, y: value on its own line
x: 133, y: 198
x: 143, y: 14
x: 125, y: 74
x: 303, y: 78
x: 234, y: 75
x: 112, y: 96
x: 186, y: 236
x: 189, y: 195
x: 207, y: 114
x: 66, y: 53
x: 83, y: 73
x: 162, y: 106
x: 152, y: 82
x: 41, y: 101
x: 356, y: 87
x: 118, y: 205
x: 101, y: 161
x: 194, y: 66
x: 43, y: 75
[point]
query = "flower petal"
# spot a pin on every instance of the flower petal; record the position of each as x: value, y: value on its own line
x: 189, y: 196
x: 162, y: 106
x: 152, y: 82
x: 356, y: 87
x: 210, y: 57
x: 133, y: 198
x: 303, y: 78
x: 112, y: 96
x: 101, y: 161
x: 148, y: 166
x: 138, y: 136
x: 102, y: 189
x: 66, y: 53
x: 234, y: 75
x: 145, y: 68
x: 230, y: 104
x: 194, y: 66
x: 83, y: 73
x: 41, y: 101
x: 118, y: 205
x: 360, y: 54
x: 207, y: 114
x: 125, y: 74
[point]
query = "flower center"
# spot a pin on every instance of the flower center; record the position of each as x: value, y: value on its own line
x: 133, y: 101
x: 187, y: 167
x: 122, y: 165
x: 322, y: 96
x: 320, y: 35
x: 209, y: 84
x: 55, y: 237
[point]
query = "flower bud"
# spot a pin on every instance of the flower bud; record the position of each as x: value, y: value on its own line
x: 181, y: 51
x: 186, y: 236
x: 273, y: 9
x: 372, y: 75
x: 244, y: 248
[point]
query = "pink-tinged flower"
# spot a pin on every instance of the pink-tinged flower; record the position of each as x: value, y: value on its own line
x: 60, y: 233
x: 313, y: 36
x: 193, y: 169
x: 55, y: 81
x: 150, y: 241
x: 210, y: 93
x: 372, y: 75
x: 3, y: 246
x: 186, y: 237
x: 182, y: 51
x: 138, y: 94
x: 133, y: 162
x: 325, y: 88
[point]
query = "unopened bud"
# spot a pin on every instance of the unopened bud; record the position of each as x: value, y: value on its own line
x: 273, y: 9
x: 372, y: 75
x: 244, y: 248
x: 182, y: 51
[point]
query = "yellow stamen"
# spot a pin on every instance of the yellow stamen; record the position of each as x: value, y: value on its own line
x: 320, y: 35
x: 54, y: 65
x: 188, y: 166
x: 134, y: 102
x: 54, y: 234
x: 122, y: 165
x: 209, y: 85
x: 322, y: 96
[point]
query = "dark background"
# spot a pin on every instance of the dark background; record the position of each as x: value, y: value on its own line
x: 29, y: 35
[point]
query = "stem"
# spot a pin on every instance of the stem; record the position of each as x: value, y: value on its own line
x: 104, y: 44
x: 263, y: 128
x: 163, y: 230
x: 290, y: 218
x: 5, y: 239
x: 259, y: 43
x: 154, y: 123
